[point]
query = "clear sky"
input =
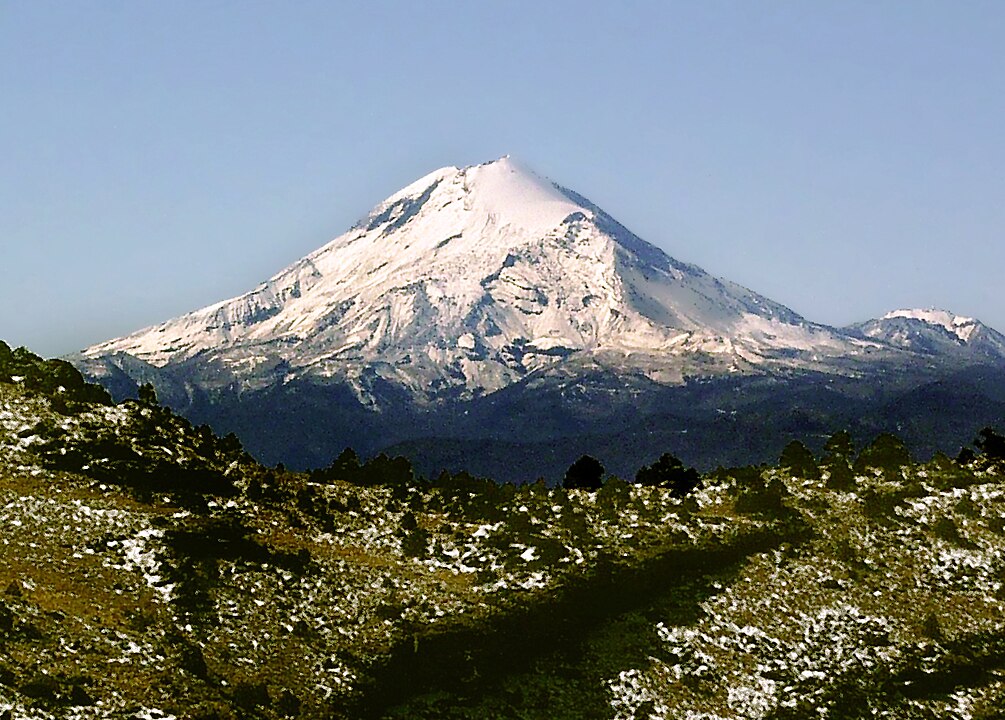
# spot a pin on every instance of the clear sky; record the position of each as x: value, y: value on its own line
x: 842, y: 158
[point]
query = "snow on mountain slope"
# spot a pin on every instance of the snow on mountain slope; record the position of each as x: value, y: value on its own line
x: 962, y: 327
x: 470, y: 278
x: 935, y: 332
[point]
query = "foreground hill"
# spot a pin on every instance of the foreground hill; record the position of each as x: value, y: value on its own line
x: 153, y: 570
x: 487, y: 308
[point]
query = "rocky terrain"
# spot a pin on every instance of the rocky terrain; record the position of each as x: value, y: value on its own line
x: 151, y: 569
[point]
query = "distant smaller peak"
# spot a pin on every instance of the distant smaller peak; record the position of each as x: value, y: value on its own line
x: 934, y: 316
x: 962, y: 327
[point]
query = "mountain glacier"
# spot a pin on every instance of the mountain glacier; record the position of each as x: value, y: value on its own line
x: 488, y: 303
x: 470, y: 279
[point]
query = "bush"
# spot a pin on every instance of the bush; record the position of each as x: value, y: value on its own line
x: 756, y: 495
x: 764, y: 500
x: 881, y: 503
x: 344, y: 467
x: 471, y: 496
x: 613, y: 497
x: 393, y: 472
x: 840, y: 477
x: 966, y: 457
x: 415, y: 542
x: 251, y: 695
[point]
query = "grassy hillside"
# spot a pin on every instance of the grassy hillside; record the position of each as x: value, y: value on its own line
x: 152, y: 570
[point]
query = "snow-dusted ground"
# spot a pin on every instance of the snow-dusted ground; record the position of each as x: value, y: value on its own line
x: 142, y: 602
x: 851, y: 624
x: 115, y: 594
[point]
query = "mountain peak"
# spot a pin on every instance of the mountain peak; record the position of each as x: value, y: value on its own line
x: 468, y: 280
x: 935, y: 332
x: 514, y: 193
x: 962, y: 327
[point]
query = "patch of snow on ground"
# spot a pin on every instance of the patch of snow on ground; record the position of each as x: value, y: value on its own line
x: 140, y: 556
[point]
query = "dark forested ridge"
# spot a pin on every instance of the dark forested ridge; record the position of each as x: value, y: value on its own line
x: 154, y: 569
x: 530, y: 430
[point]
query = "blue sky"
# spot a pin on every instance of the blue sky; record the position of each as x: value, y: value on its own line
x: 842, y: 158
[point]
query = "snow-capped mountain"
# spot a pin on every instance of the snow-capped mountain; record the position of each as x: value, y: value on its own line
x: 466, y: 281
x: 935, y: 332
x: 483, y: 315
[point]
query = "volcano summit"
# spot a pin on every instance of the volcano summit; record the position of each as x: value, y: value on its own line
x: 464, y: 301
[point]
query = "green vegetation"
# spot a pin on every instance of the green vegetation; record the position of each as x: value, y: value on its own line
x: 586, y: 473
x: 669, y: 472
x: 57, y: 379
x: 151, y: 569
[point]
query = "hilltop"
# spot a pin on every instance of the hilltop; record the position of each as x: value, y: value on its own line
x: 152, y: 569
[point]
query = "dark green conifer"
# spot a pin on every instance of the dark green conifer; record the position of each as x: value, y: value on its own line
x: 147, y: 394
x: 586, y: 473
x: 668, y: 471
x: 887, y: 453
x: 798, y: 460
x: 990, y: 444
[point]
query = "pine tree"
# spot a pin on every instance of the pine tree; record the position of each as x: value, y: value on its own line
x: 887, y: 453
x: 839, y: 450
x: 586, y: 473
x: 668, y: 471
x: 798, y: 459
x: 147, y: 394
x: 991, y: 444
